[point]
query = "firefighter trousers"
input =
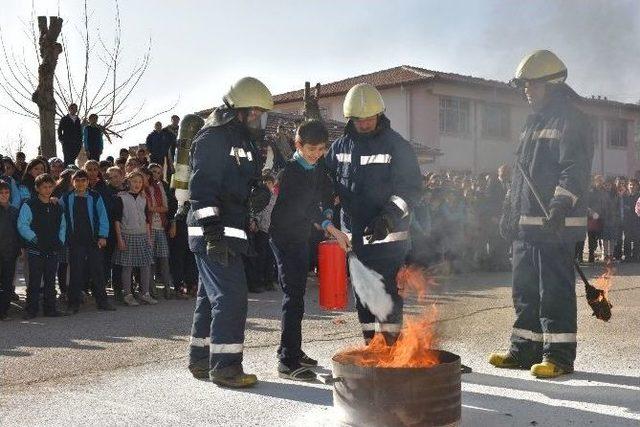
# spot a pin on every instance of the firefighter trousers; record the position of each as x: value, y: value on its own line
x: 220, y: 315
x: 544, y: 298
x: 390, y: 327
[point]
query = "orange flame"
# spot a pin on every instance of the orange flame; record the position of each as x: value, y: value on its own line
x: 605, y: 281
x: 415, y: 344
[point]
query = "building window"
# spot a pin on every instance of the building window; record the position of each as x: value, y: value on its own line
x: 454, y: 115
x: 617, y: 133
x: 495, y: 121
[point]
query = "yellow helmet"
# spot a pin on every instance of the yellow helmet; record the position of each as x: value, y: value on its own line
x: 249, y: 92
x: 541, y: 65
x: 362, y: 101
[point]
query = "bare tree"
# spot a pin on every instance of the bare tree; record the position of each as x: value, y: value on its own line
x: 101, y: 87
x: 12, y: 145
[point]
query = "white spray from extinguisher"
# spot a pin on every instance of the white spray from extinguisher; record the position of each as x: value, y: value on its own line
x: 369, y: 285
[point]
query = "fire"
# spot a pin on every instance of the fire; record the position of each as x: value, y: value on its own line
x: 415, y: 344
x: 605, y: 281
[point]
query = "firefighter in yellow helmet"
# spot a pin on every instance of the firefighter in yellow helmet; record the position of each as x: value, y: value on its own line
x: 378, y: 180
x: 555, y: 153
x: 224, y: 166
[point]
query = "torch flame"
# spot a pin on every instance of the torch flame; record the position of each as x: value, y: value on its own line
x: 417, y: 340
x: 605, y: 281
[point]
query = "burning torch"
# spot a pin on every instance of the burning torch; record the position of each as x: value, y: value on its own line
x: 595, y: 297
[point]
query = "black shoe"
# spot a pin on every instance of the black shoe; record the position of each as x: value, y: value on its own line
x: 118, y: 296
x: 307, y: 362
x: 106, y: 307
x: 296, y: 373
x: 73, y: 309
x: 29, y: 316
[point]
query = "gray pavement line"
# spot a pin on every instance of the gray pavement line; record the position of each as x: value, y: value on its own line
x: 473, y: 313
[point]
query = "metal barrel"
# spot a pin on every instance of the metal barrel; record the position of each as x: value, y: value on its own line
x: 386, y: 397
x: 189, y: 126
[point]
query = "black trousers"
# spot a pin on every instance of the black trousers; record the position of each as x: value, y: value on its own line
x: 85, y: 261
x: 70, y: 153
x: 262, y: 264
x: 182, y: 262
x: 42, y: 270
x: 7, y: 270
x: 293, y: 264
x: 593, y: 236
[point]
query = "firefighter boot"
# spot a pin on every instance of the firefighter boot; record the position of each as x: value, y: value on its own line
x: 200, y: 369
x: 504, y: 360
x: 232, y: 377
x: 548, y: 369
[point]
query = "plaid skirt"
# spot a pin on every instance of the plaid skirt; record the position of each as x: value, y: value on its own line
x: 137, y: 254
x: 160, y: 244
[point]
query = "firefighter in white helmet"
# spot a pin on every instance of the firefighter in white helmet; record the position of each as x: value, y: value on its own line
x: 224, y: 166
x: 378, y: 180
x: 555, y: 153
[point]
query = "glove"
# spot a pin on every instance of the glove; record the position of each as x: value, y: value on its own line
x: 217, y: 248
x: 555, y: 222
x: 379, y: 228
x: 259, y: 198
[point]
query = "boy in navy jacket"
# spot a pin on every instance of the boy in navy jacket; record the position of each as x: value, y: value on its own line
x: 42, y: 225
x: 304, y: 199
x: 87, y: 233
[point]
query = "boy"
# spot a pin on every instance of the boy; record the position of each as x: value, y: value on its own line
x: 92, y: 138
x: 9, y: 248
x: 42, y: 225
x: 88, y: 229
x: 303, y: 186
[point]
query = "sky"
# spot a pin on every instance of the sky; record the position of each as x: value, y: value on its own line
x: 199, y: 48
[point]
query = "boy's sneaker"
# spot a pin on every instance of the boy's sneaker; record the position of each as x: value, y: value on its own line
x: 148, y: 299
x: 130, y: 300
x: 307, y: 361
x: 299, y: 373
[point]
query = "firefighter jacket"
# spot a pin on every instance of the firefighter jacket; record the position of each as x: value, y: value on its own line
x: 374, y: 174
x: 556, y: 149
x: 223, y: 164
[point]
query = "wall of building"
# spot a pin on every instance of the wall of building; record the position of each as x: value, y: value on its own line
x: 414, y: 111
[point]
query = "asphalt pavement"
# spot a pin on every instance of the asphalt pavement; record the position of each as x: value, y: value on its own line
x: 129, y: 367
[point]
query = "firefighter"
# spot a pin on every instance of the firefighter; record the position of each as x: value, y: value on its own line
x: 378, y: 180
x: 555, y: 152
x: 223, y: 165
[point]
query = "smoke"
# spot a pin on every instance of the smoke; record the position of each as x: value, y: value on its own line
x: 369, y: 286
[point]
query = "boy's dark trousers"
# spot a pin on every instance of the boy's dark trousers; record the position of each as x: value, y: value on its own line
x: 293, y: 264
x: 85, y: 260
x: 182, y: 262
x: 7, y: 270
x: 264, y: 260
x: 42, y: 269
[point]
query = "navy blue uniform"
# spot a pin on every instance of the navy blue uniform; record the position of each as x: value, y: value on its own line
x: 556, y: 149
x: 223, y: 166
x: 373, y: 173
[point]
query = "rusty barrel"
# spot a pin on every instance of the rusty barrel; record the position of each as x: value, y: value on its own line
x: 394, y: 397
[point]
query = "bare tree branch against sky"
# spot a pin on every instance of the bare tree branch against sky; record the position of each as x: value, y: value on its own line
x: 200, y: 47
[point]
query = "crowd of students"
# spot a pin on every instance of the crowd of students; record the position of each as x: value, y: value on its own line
x: 115, y: 223
x: 111, y: 223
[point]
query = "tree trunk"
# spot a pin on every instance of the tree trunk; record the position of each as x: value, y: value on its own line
x: 43, y: 96
x: 311, y: 106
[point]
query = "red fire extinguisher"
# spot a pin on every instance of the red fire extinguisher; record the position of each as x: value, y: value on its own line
x: 332, y: 272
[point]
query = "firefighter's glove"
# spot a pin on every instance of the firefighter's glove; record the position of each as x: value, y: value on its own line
x: 217, y: 248
x: 379, y: 228
x: 259, y: 198
x: 555, y: 222
x: 599, y: 303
